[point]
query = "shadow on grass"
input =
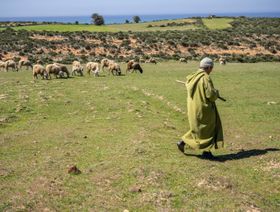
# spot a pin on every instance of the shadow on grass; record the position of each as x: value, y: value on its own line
x: 237, y: 156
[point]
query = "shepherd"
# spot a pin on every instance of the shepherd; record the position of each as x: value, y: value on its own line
x: 206, y: 131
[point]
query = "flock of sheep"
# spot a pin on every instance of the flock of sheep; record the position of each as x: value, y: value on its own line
x: 60, y: 70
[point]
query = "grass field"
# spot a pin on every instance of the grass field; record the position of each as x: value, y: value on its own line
x: 121, y: 133
x: 215, y: 23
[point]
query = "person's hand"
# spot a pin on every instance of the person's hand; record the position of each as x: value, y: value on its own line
x: 217, y: 92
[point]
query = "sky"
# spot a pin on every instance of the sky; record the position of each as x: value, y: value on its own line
x: 31, y: 8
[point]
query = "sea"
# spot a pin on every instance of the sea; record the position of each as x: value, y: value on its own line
x: 118, y: 19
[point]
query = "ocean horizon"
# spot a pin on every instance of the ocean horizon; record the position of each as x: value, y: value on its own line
x: 118, y: 19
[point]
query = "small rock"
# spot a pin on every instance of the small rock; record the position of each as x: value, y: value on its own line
x: 169, y: 126
x: 74, y: 170
x: 85, y: 137
x: 135, y: 189
x: 3, y: 96
x: 271, y: 103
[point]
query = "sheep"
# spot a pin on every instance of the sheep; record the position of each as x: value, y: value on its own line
x: 26, y: 63
x: 11, y: 64
x: 134, y: 66
x: 151, y: 60
x: 115, y: 68
x: 93, y: 67
x: 57, y: 69
x: 77, y: 68
x: 63, y: 70
x: 112, y: 66
x: 183, y: 60
x: 105, y: 63
x: 222, y: 61
x: 39, y: 69
x: 2, y: 65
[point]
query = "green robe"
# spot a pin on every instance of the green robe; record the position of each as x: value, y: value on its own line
x: 204, y: 120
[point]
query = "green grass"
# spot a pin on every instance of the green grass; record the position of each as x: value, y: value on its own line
x: 217, y: 23
x: 121, y: 133
x: 65, y: 28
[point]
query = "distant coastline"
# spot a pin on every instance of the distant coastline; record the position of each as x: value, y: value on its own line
x: 118, y: 19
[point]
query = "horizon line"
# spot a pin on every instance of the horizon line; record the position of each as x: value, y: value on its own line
x: 199, y: 13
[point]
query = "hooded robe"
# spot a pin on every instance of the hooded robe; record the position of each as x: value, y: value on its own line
x: 204, y: 120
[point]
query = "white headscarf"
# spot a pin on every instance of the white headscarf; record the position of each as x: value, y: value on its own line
x: 206, y: 62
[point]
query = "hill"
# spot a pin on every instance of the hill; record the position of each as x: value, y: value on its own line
x: 247, y: 40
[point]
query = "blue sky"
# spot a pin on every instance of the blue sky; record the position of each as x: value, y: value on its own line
x: 24, y: 8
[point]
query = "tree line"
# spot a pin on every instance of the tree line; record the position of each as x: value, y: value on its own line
x: 99, y: 19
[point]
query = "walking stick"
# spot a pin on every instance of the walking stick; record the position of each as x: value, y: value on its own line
x: 219, y: 97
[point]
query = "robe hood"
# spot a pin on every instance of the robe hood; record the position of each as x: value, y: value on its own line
x: 192, y: 81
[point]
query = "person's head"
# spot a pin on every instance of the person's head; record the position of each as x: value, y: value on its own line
x: 207, y: 65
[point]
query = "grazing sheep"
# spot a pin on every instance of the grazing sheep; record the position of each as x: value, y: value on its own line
x: 57, y: 70
x: 222, y: 61
x: 134, y: 66
x: 2, y: 65
x: 39, y: 69
x: 63, y: 70
x: 183, y: 60
x: 26, y: 63
x: 151, y: 60
x: 77, y: 68
x: 93, y: 67
x: 11, y: 64
x: 115, y: 69
x: 105, y: 63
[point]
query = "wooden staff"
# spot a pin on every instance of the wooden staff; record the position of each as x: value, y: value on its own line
x: 219, y: 97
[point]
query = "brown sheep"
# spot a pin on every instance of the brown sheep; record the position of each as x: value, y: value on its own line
x: 222, y: 61
x: 77, y: 68
x: 93, y: 67
x: 63, y: 70
x: 134, y: 66
x: 57, y: 70
x: 11, y: 64
x: 26, y: 63
x: 2, y: 65
x: 39, y: 69
x: 115, y: 68
x: 105, y: 63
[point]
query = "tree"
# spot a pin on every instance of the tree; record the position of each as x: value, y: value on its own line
x: 136, y: 19
x: 127, y: 21
x: 97, y: 19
